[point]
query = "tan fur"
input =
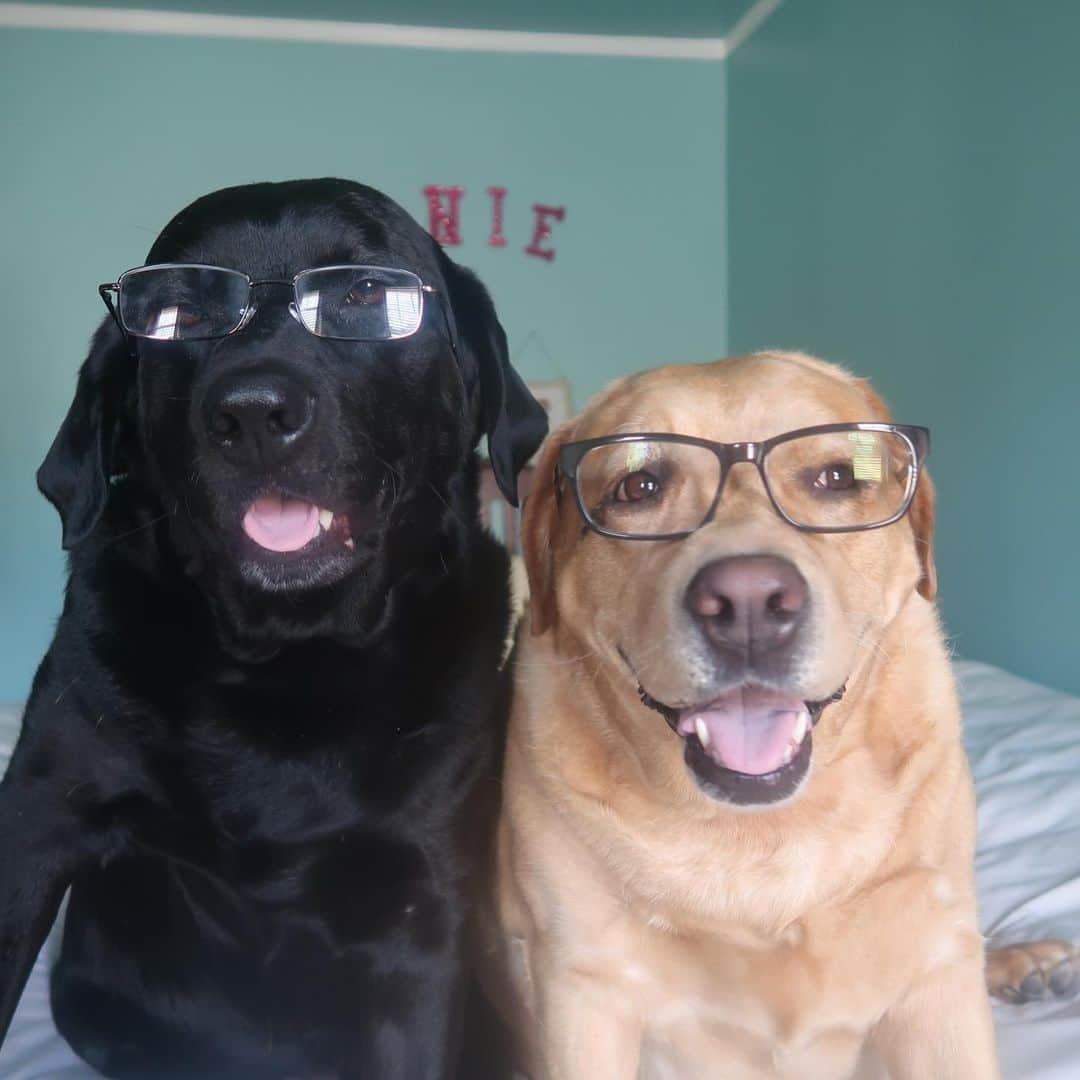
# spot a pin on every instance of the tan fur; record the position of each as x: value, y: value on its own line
x: 638, y: 928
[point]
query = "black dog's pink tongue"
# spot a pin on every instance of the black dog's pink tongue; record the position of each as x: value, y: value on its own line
x: 280, y: 523
x: 749, y: 729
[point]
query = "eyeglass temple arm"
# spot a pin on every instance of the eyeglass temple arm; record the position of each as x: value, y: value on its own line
x: 922, y: 443
x: 448, y: 319
x: 104, y: 292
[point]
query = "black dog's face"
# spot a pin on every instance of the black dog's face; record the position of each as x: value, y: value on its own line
x: 293, y: 457
x: 303, y: 473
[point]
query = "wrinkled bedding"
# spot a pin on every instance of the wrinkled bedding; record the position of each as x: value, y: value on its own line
x: 1024, y: 744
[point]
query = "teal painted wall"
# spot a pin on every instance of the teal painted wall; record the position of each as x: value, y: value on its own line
x: 901, y: 184
x: 105, y: 136
x: 903, y: 199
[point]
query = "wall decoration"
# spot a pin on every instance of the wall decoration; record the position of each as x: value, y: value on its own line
x: 542, y: 230
x: 554, y: 395
x: 444, y: 219
x: 496, y: 239
x: 444, y: 213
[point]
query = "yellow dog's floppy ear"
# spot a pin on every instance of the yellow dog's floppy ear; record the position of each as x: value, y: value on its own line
x: 539, y: 521
x: 922, y: 523
x: 921, y: 511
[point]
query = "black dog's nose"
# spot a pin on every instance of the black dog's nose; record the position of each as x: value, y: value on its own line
x: 258, y: 419
x: 749, y: 604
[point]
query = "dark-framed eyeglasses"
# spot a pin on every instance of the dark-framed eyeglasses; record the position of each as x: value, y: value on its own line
x: 831, y: 478
x: 194, y: 302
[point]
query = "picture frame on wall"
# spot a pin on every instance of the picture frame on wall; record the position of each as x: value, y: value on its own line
x: 554, y: 395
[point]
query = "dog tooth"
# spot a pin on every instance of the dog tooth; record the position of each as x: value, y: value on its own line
x: 702, y: 730
x: 802, y: 726
x: 349, y: 543
x: 326, y: 519
x: 789, y: 753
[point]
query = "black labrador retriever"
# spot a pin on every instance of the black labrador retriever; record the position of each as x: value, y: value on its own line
x: 250, y: 748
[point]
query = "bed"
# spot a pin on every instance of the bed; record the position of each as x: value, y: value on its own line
x: 1024, y: 744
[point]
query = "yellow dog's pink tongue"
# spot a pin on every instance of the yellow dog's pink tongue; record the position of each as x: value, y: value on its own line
x: 279, y: 523
x: 749, y: 729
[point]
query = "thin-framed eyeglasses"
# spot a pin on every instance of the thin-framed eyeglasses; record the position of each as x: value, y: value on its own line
x: 831, y: 478
x: 197, y: 302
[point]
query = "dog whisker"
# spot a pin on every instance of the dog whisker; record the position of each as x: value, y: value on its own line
x: 453, y: 513
x: 139, y: 528
x: 60, y: 696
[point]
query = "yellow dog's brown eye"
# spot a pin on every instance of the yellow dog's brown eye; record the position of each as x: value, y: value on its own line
x: 637, y: 486
x: 366, y: 292
x: 835, y: 478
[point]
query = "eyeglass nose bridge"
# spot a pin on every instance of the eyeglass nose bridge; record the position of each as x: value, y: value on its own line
x: 735, y: 453
x: 749, y: 453
x: 253, y: 307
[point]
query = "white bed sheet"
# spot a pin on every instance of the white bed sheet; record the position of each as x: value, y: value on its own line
x: 1024, y: 744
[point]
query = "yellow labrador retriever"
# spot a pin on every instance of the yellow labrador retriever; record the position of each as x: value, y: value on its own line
x: 738, y: 824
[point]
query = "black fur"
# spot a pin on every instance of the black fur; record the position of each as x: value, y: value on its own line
x: 253, y: 771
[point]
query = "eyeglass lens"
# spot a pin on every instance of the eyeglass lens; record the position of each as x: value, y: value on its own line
x: 182, y: 302
x: 362, y: 303
x: 841, y: 479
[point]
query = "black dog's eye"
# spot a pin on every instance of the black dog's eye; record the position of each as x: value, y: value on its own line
x: 366, y: 293
x: 836, y: 477
x: 177, y: 315
x: 637, y: 487
x: 188, y: 315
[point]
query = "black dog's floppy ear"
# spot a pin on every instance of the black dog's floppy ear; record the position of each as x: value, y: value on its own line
x: 513, y: 420
x: 74, y: 476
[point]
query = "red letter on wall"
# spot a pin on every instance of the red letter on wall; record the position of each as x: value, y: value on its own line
x: 498, y: 195
x: 444, y: 213
x: 542, y: 230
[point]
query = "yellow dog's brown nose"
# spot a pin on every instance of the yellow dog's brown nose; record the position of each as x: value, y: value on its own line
x: 748, y: 605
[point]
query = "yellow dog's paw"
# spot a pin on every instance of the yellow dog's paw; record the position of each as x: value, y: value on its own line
x: 1033, y: 971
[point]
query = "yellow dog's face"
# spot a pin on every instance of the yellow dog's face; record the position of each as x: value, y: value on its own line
x: 740, y: 634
